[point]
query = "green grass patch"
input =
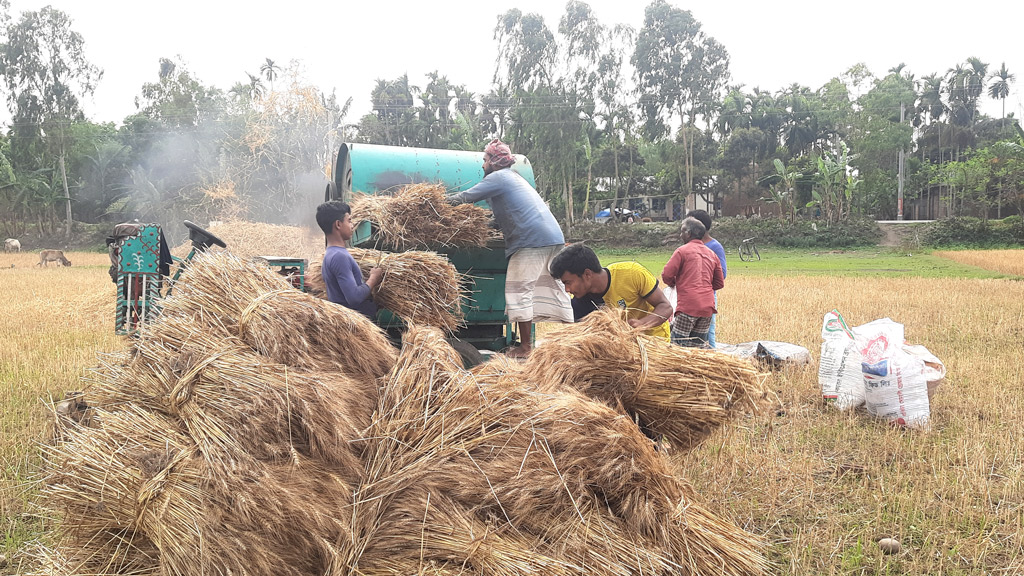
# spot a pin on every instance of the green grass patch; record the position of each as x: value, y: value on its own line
x: 857, y: 262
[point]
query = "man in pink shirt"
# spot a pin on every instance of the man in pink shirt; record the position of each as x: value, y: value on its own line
x: 695, y: 272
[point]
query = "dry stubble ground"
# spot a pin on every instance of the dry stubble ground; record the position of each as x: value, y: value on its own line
x: 1005, y: 261
x: 821, y: 486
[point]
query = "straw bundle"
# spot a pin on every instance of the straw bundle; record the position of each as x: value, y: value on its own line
x: 239, y: 405
x: 306, y: 332
x: 247, y: 300
x: 417, y: 216
x: 113, y: 557
x: 135, y: 494
x: 575, y: 460
x: 421, y: 287
x: 683, y: 394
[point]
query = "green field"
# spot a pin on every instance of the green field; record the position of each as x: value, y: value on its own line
x: 853, y: 262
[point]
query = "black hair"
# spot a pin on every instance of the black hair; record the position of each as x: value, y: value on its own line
x: 574, y: 258
x: 329, y: 212
x: 703, y: 216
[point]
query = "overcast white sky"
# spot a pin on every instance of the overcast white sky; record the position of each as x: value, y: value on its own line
x: 347, y: 45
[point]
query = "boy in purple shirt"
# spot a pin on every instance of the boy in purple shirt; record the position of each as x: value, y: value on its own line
x: 341, y: 274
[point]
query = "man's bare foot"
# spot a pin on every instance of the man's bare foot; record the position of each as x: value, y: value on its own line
x: 517, y: 352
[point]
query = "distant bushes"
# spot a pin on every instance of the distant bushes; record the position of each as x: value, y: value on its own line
x: 975, y: 233
x: 951, y: 232
x: 638, y: 235
x: 731, y: 231
x: 801, y: 234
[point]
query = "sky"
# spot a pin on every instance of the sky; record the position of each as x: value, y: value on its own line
x: 346, y: 45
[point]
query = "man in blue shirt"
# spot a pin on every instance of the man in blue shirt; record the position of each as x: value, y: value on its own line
x: 719, y: 251
x: 341, y: 274
x: 532, y: 239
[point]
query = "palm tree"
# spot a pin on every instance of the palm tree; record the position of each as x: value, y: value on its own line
x: 977, y: 73
x: 930, y: 105
x: 1000, y: 88
x: 734, y: 112
x: 240, y: 92
x: 270, y: 71
x: 255, y: 87
x: 956, y: 87
x: 800, y: 129
x: 767, y: 114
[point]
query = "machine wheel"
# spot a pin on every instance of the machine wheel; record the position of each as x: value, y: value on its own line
x: 469, y: 354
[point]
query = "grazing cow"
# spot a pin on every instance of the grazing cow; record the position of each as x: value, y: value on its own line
x: 12, y: 245
x: 53, y: 256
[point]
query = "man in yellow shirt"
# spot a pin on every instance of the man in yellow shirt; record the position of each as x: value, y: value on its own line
x: 624, y: 285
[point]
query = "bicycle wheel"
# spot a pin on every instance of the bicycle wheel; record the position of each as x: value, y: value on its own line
x: 744, y: 252
x: 757, y: 255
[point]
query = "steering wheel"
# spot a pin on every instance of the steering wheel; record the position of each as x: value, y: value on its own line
x: 201, y: 239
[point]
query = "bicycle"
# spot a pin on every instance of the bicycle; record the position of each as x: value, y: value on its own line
x: 748, y: 250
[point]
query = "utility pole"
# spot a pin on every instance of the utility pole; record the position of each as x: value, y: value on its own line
x: 899, y: 173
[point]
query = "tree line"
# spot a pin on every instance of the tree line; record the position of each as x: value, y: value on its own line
x: 605, y: 113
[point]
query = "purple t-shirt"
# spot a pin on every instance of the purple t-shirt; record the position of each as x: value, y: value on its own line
x: 344, y: 282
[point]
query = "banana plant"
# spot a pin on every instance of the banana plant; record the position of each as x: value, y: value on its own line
x: 834, y: 187
x: 783, y: 189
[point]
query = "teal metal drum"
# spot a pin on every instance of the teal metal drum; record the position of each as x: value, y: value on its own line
x: 374, y: 169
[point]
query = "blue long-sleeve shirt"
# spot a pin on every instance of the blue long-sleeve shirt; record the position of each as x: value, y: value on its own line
x: 719, y: 251
x: 522, y: 216
x: 344, y: 282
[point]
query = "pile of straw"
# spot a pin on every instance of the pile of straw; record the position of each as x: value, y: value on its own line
x: 215, y: 445
x: 500, y: 476
x: 417, y: 216
x: 248, y: 239
x: 421, y: 287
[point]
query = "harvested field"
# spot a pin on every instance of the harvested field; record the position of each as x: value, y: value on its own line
x: 1005, y: 261
x: 820, y: 487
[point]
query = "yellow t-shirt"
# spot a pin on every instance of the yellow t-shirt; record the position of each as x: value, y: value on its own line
x: 629, y: 284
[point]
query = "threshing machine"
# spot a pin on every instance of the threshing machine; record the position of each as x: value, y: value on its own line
x: 373, y: 169
x: 140, y: 264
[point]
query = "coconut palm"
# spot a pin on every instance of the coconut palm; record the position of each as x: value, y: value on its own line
x: 734, y: 112
x: 800, y: 128
x: 967, y: 86
x: 977, y: 73
x: 1000, y: 87
x: 930, y: 104
x: 270, y: 71
x: 255, y: 87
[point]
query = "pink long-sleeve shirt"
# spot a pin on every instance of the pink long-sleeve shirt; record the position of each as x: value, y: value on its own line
x: 696, y: 273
